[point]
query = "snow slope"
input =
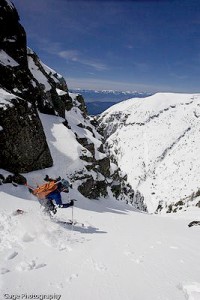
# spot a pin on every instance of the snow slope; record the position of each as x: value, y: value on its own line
x: 5, y: 99
x: 37, y: 73
x: 118, y: 254
x: 6, y: 60
x: 64, y: 148
x: 156, y: 142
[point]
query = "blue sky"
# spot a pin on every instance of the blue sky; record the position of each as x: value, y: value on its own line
x: 122, y: 45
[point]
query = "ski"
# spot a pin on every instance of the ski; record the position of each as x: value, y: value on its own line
x: 69, y: 222
x: 18, y: 212
x: 76, y: 223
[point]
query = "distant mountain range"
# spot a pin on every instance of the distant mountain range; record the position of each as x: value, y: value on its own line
x: 99, y: 101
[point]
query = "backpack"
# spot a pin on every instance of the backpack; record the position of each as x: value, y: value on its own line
x: 45, y: 189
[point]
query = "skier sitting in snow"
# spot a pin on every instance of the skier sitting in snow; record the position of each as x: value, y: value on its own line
x: 58, y: 185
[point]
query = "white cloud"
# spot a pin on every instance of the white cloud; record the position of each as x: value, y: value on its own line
x: 69, y: 54
x: 178, y: 76
x: 72, y: 55
x: 76, y: 56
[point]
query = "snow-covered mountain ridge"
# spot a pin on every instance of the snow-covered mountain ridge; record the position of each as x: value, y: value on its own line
x: 156, y: 142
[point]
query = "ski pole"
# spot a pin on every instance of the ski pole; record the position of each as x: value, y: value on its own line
x: 29, y: 186
x: 72, y: 218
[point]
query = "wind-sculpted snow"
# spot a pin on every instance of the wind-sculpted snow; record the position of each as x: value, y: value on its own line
x: 155, y: 141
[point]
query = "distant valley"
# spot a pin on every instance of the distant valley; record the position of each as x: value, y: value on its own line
x: 99, y: 101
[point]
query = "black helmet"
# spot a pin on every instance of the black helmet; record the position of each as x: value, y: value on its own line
x: 64, y: 185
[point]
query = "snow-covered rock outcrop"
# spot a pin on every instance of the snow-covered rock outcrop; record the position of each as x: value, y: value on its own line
x: 156, y: 142
x: 23, y: 143
x: 36, y: 88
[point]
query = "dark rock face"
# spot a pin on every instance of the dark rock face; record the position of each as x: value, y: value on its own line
x: 194, y: 223
x: 15, y: 75
x: 15, y: 179
x: 22, y: 141
x: 104, y: 166
x: 12, y: 36
x: 93, y: 189
x: 82, y: 105
x: 88, y: 145
x: 116, y: 190
x: 122, y: 190
x: 49, y: 101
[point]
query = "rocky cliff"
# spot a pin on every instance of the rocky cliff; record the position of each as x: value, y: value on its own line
x: 23, y: 143
x: 31, y: 86
x: 34, y: 103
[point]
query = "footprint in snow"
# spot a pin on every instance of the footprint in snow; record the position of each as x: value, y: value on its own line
x: 159, y: 242
x: 27, y: 237
x: 64, y: 247
x: 12, y: 255
x: 128, y: 253
x: 100, y: 267
x: 57, y: 285
x: 4, y: 271
x: 138, y: 260
x: 73, y: 276
x: 131, y: 254
x: 28, y: 266
x: 40, y: 266
x: 173, y: 247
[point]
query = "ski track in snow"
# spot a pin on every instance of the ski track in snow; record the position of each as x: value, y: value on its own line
x: 119, y: 254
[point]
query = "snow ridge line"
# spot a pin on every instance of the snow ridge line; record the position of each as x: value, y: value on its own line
x: 10, y: 4
x: 196, y: 115
x: 161, y: 157
x: 157, y: 115
x: 120, y: 115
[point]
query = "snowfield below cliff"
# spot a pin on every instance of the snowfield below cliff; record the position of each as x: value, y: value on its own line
x: 156, y: 142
